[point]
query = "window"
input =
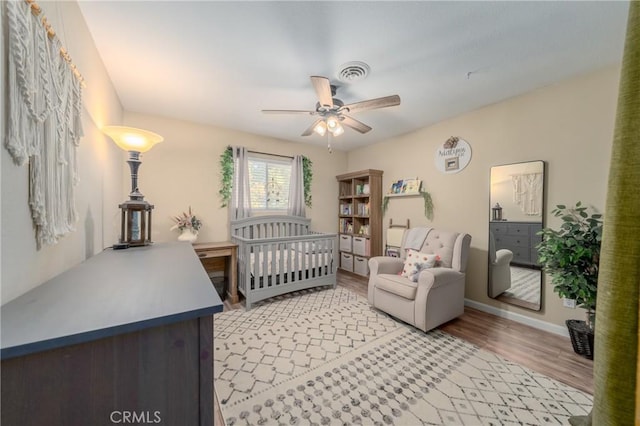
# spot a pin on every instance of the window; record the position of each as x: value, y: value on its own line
x: 269, y: 179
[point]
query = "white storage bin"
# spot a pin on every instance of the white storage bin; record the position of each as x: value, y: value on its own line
x: 345, y: 242
x: 361, y: 265
x: 346, y: 262
x: 361, y: 246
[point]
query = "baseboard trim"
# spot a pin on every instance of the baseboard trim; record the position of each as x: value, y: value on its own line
x: 522, y: 319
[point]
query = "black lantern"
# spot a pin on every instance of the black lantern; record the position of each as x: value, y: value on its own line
x: 497, y: 212
x: 135, y: 227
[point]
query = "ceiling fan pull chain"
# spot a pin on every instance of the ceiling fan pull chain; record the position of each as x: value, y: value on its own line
x: 329, y: 142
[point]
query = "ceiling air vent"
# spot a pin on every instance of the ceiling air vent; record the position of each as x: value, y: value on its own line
x: 353, y: 71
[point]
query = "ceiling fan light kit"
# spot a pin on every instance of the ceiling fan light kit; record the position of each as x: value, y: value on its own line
x: 333, y: 112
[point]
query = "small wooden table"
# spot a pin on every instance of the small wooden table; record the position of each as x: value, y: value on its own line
x: 229, y: 251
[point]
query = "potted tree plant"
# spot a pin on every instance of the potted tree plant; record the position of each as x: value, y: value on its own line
x: 571, y: 256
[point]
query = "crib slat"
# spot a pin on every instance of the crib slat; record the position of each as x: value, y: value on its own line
x: 298, y: 265
x: 290, y: 269
x: 282, y: 249
x: 303, y: 266
x: 256, y: 267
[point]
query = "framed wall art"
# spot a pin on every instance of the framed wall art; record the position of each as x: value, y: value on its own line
x: 453, y: 156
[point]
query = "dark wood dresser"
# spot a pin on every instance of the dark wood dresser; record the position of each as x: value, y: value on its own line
x: 519, y: 237
x: 125, y: 335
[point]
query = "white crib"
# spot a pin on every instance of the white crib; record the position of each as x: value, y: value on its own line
x: 279, y: 254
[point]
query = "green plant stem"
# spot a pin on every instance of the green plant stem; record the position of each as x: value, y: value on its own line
x: 226, y: 169
x: 307, y: 178
x: 428, y: 205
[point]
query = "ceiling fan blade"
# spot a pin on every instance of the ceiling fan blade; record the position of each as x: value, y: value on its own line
x: 310, y: 129
x: 287, y: 111
x: 384, y: 102
x: 355, y: 124
x: 323, y: 90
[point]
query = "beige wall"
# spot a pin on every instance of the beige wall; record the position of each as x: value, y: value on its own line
x: 100, y: 170
x: 184, y: 171
x: 569, y: 125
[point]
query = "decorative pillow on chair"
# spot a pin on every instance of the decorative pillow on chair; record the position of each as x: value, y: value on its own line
x: 415, y: 262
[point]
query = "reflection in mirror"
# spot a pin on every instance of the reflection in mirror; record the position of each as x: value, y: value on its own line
x: 517, y: 208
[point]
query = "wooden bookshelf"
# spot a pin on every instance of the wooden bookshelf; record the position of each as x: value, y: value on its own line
x: 359, y: 219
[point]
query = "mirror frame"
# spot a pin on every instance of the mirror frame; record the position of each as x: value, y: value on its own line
x: 502, y: 297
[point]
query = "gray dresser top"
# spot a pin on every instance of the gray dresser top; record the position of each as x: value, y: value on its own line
x: 114, y: 292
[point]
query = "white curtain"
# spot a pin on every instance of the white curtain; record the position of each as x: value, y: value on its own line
x: 240, y: 196
x: 296, y: 188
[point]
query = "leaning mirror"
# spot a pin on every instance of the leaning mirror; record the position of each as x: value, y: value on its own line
x: 516, y: 216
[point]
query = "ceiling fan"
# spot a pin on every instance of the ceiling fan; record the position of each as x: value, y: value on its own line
x: 332, y: 112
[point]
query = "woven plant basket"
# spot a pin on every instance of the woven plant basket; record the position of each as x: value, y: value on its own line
x: 581, y: 338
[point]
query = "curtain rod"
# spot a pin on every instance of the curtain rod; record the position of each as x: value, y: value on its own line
x: 51, y: 34
x: 268, y: 153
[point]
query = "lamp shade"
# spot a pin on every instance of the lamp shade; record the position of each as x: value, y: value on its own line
x: 132, y: 139
x: 338, y: 129
x: 332, y: 124
x: 321, y: 128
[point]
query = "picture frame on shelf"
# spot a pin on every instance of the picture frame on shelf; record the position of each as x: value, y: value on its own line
x: 406, y: 186
x: 412, y: 186
x: 396, y: 187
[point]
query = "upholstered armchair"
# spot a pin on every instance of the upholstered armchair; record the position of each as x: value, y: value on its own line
x: 499, y: 268
x: 437, y: 294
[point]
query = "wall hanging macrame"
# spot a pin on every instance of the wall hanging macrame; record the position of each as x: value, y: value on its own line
x: 44, y: 119
x: 527, y: 192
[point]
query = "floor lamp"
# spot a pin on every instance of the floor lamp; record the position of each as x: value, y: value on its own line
x: 135, y: 227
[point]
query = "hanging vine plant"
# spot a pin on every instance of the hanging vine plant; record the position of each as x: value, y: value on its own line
x: 307, y: 177
x: 426, y: 197
x: 226, y: 168
x: 428, y: 205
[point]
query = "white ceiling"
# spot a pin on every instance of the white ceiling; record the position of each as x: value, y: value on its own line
x: 221, y: 63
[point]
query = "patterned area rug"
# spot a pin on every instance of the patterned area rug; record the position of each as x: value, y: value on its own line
x: 525, y: 285
x: 325, y: 357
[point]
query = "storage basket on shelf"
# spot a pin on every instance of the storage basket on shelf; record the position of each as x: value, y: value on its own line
x: 581, y: 338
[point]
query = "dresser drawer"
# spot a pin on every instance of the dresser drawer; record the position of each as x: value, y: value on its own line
x: 498, y: 228
x: 518, y: 229
x: 513, y: 241
x: 521, y: 254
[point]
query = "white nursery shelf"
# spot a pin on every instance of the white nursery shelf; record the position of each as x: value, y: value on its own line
x: 413, y: 194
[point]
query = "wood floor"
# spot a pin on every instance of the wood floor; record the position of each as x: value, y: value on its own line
x: 538, y: 350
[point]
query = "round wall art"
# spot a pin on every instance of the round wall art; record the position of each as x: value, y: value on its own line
x: 453, y: 156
